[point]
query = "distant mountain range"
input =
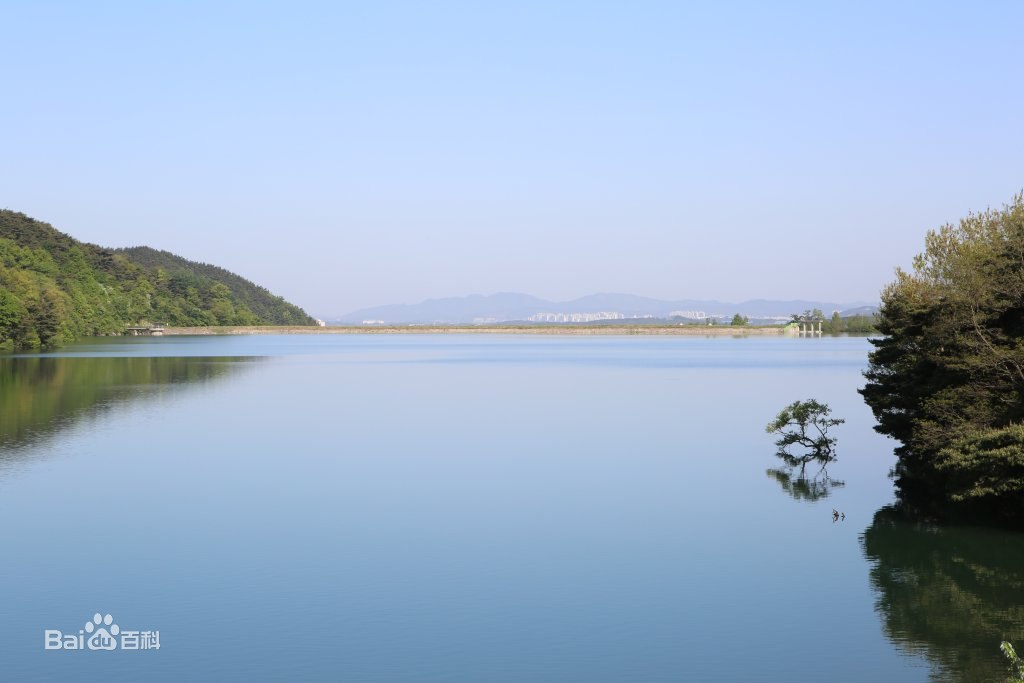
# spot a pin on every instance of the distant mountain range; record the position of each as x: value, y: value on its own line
x: 508, y: 307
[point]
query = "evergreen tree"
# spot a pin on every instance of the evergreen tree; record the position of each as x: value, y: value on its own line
x: 947, y: 378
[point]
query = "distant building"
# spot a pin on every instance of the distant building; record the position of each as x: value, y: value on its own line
x: 575, y: 317
x: 321, y: 323
x: 373, y: 322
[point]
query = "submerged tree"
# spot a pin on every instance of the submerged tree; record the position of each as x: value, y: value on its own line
x: 804, y: 425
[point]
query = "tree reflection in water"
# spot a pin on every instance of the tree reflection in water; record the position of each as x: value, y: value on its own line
x: 805, y: 488
x: 42, y: 396
x: 950, y: 594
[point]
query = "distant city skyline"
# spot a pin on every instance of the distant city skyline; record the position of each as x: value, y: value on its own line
x: 348, y: 156
x: 512, y: 306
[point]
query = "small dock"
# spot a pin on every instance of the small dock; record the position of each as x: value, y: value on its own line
x: 156, y: 330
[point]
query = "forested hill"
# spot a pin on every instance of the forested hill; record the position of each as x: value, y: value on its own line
x: 248, y: 295
x: 54, y: 288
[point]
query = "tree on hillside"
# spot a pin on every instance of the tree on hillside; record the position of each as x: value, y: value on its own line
x: 45, y: 318
x: 947, y: 379
x: 14, y: 322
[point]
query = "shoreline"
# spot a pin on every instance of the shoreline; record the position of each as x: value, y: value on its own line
x: 620, y: 330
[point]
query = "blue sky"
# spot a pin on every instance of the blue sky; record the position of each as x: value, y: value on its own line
x: 352, y: 154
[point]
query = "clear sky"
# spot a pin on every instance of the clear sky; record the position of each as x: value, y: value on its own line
x: 352, y: 154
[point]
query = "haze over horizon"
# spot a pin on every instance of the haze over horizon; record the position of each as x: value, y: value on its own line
x: 514, y: 306
x: 349, y: 156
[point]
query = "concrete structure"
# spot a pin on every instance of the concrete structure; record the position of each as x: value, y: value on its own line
x: 154, y: 330
x: 808, y: 326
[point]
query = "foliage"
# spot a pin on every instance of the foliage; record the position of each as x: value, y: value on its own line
x: 739, y: 320
x: 1016, y: 663
x: 985, y: 464
x: 54, y: 288
x: 217, y: 285
x: 805, y: 424
x: 947, y: 378
x: 814, y: 314
x: 861, y: 324
x: 854, y: 324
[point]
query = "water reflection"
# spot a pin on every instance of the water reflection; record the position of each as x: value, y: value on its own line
x: 948, y: 594
x: 41, y: 396
x: 805, y: 488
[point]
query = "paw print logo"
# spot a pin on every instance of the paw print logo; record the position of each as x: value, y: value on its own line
x: 102, y: 639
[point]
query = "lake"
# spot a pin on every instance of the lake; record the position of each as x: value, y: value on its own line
x: 471, y: 508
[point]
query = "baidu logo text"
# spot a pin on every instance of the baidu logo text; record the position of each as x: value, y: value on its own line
x: 101, y: 634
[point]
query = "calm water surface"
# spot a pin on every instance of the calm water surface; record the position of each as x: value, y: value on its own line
x: 442, y: 508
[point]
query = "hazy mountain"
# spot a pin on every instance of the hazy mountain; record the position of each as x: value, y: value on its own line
x: 860, y: 310
x: 508, y: 306
x: 503, y: 306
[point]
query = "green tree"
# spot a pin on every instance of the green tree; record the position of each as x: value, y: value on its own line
x: 947, y: 378
x: 988, y: 464
x: 1016, y: 663
x: 14, y: 322
x: 809, y: 314
x: 835, y: 325
x: 739, y: 320
x: 45, y: 318
x: 804, y: 425
x: 860, y: 324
